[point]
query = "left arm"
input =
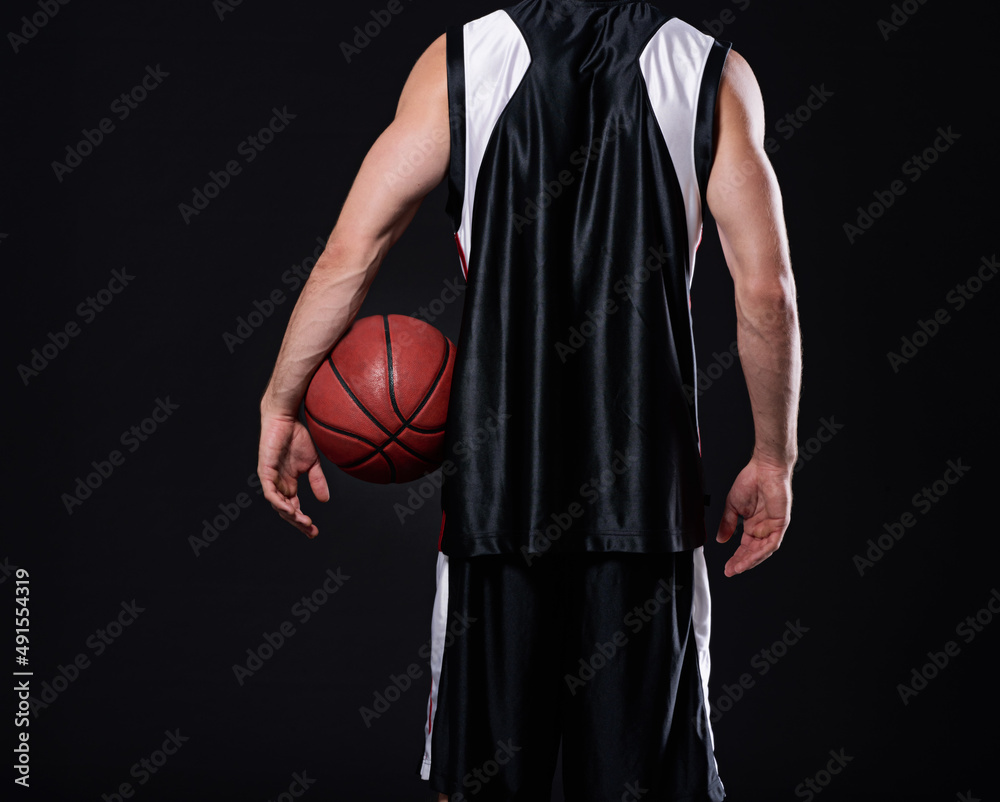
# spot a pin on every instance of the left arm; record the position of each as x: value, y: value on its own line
x: 404, y: 164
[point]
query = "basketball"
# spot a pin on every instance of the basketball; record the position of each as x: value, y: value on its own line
x: 377, y: 405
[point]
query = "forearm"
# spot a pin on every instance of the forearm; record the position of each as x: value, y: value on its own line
x: 327, y: 306
x: 770, y: 352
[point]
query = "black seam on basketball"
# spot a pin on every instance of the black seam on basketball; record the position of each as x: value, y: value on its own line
x: 338, y: 430
x: 392, y: 382
x: 430, y: 391
x: 392, y: 387
x: 376, y: 449
x: 405, y: 447
x: 392, y: 392
x: 393, y: 437
x: 433, y: 387
x: 421, y: 430
x: 434, y: 384
x: 354, y: 398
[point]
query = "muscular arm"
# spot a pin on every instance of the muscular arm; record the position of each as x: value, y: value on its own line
x: 406, y: 162
x: 744, y: 198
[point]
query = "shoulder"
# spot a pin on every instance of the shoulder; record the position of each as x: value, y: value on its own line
x: 428, y: 80
x: 737, y: 75
x: 437, y: 47
x: 738, y: 84
x: 740, y: 104
x: 433, y: 59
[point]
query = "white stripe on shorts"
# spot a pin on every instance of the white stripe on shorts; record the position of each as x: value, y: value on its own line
x: 701, y: 613
x: 439, y: 627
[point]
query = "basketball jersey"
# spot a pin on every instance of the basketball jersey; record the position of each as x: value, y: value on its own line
x: 581, y: 143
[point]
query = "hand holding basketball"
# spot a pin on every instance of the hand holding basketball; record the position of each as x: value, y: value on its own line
x: 286, y: 451
x: 376, y: 407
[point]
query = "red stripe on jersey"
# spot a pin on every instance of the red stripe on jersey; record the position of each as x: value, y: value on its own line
x: 441, y: 533
x: 461, y: 255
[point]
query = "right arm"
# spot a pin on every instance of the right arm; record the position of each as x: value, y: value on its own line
x: 389, y: 188
x: 745, y: 200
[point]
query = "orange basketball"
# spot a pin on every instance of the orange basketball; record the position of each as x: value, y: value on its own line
x: 377, y: 405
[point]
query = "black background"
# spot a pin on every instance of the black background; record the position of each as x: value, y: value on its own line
x: 162, y: 337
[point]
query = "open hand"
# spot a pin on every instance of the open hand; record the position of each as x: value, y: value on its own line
x: 762, y: 495
x: 287, y: 451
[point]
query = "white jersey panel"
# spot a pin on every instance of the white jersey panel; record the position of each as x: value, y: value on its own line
x: 672, y: 65
x: 491, y: 77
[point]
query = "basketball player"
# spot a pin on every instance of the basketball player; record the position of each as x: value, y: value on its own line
x: 581, y: 142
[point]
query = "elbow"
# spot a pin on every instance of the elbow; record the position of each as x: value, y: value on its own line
x: 355, y: 256
x: 769, y: 304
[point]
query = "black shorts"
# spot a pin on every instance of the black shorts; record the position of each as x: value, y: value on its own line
x: 607, y: 651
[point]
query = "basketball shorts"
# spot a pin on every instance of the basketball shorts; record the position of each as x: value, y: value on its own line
x: 605, y: 652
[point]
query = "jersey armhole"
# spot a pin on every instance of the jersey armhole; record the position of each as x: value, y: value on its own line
x: 455, y: 57
x: 705, y: 118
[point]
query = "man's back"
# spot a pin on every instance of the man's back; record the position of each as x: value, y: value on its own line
x: 604, y: 651
x: 581, y: 140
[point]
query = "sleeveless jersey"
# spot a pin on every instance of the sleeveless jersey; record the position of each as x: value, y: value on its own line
x: 581, y: 143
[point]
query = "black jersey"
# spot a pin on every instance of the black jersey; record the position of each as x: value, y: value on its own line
x: 581, y: 142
